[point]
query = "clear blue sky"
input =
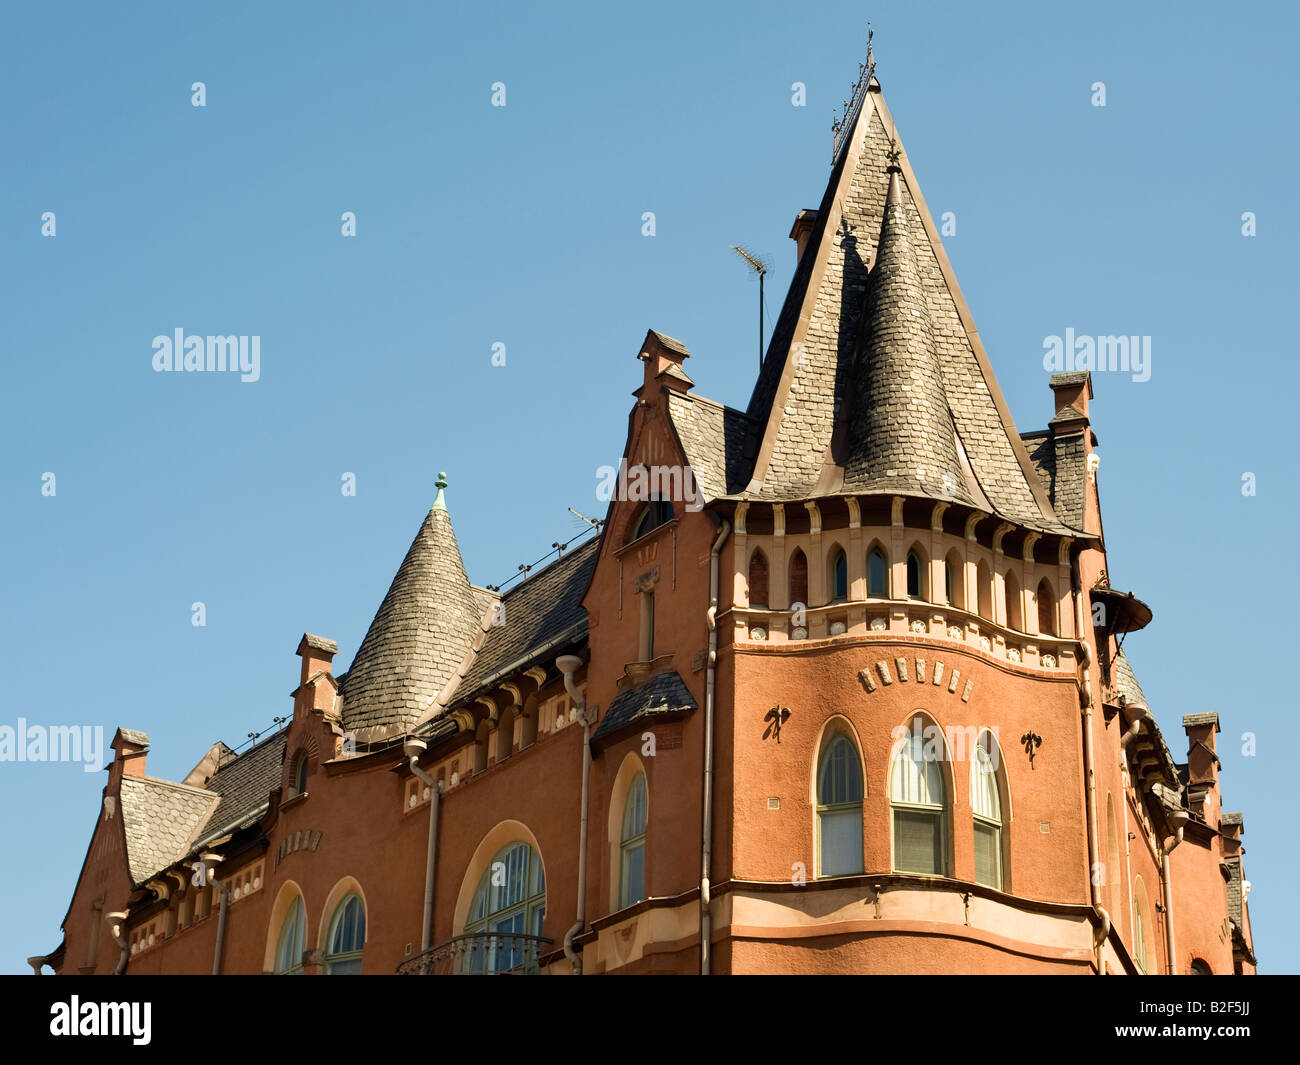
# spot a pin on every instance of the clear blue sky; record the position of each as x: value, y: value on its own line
x: 522, y: 225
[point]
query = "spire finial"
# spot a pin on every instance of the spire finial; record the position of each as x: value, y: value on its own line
x: 871, y: 59
x: 439, y: 503
x: 893, y: 155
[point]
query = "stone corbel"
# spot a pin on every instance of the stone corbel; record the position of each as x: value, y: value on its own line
x: 1031, y: 541
x: 896, y: 512
x: 742, y: 511
x: 814, y: 519
x: 971, y: 521
x: 778, y: 519
x: 1063, y: 551
x: 936, y: 517
x: 490, y: 705
x: 998, y: 533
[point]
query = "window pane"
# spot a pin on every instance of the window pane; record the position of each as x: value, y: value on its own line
x: 840, y: 780
x: 988, y: 855
x: 917, y: 842
x: 633, y: 874
x: 913, y: 576
x: 876, y: 578
x: 840, y: 577
x: 841, y: 842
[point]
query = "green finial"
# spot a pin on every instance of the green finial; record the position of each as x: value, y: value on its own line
x: 439, y: 503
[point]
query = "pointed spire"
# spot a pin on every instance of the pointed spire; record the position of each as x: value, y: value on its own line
x: 418, y: 637
x: 901, y: 434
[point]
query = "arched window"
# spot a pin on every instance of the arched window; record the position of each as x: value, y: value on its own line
x: 300, y: 775
x: 798, y: 578
x: 1012, y: 588
x: 984, y: 589
x: 1200, y: 968
x: 632, y: 846
x: 481, y: 739
x: 346, y: 937
x: 1112, y: 871
x: 877, y: 575
x: 758, y: 579
x: 655, y: 513
x: 986, y: 811
x: 1046, y: 609
x: 918, y: 798
x: 839, y: 577
x: 839, y: 808
x: 1143, y: 955
x: 293, y: 934
x: 510, y: 903
x: 915, y: 576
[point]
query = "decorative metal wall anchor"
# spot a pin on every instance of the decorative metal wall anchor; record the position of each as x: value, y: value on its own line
x: 1031, y: 741
x: 778, y: 716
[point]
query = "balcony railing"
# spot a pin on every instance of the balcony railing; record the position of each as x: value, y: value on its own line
x: 479, y: 953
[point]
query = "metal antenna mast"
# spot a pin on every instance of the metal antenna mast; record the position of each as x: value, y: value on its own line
x: 759, y: 267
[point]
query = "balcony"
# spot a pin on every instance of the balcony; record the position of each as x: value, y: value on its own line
x: 480, y: 954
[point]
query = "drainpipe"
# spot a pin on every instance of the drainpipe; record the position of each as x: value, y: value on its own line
x: 568, y: 665
x: 1178, y: 819
x: 413, y: 748
x: 706, y: 844
x: 221, y: 926
x: 37, y: 962
x: 115, y: 921
x: 1089, y: 766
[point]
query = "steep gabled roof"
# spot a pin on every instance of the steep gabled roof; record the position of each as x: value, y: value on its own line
x: 419, y: 637
x: 824, y: 361
x: 160, y: 820
x: 542, y: 611
x: 244, y: 783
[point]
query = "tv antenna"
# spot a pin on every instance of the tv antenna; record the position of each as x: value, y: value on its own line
x: 759, y: 267
x: 593, y: 522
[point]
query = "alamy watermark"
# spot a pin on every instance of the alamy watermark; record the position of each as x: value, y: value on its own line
x: 640, y: 484
x: 53, y: 743
x: 194, y: 354
x: 1116, y: 354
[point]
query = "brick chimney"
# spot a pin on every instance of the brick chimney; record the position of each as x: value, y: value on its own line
x: 132, y: 749
x: 1073, y: 390
x: 317, y: 653
x: 663, y: 357
x: 1202, y: 764
x: 802, y: 229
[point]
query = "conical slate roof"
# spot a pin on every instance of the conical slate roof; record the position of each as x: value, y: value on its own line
x: 418, y: 638
x: 875, y: 364
x: 901, y: 435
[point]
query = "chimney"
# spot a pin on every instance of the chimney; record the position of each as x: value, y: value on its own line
x: 802, y: 229
x: 317, y: 653
x: 132, y: 747
x: 1073, y: 390
x: 1202, y: 762
x: 1231, y: 828
x: 663, y: 357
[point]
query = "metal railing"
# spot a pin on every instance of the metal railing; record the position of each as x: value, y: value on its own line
x: 479, y: 954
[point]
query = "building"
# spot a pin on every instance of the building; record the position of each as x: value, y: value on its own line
x: 847, y: 696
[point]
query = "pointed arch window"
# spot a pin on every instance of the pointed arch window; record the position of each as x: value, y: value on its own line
x: 1011, y: 586
x: 919, y: 802
x: 915, y: 576
x: 877, y: 574
x: 798, y: 578
x: 839, y: 809
x: 632, y: 846
x: 758, y: 578
x: 300, y: 775
x: 986, y: 812
x: 293, y: 936
x: 1046, y: 609
x: 839, y: 576
x: 510, y: 903
x: 347, y: 937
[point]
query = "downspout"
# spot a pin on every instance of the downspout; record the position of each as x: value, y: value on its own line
x: 706, y: 844
x: 115, y: 921
x: 1141, y: 713
x: 568, y: 665
x: 221, y: 926
x: 413, y: 748
x: 1101, y: 934
x: 1178, y: 819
